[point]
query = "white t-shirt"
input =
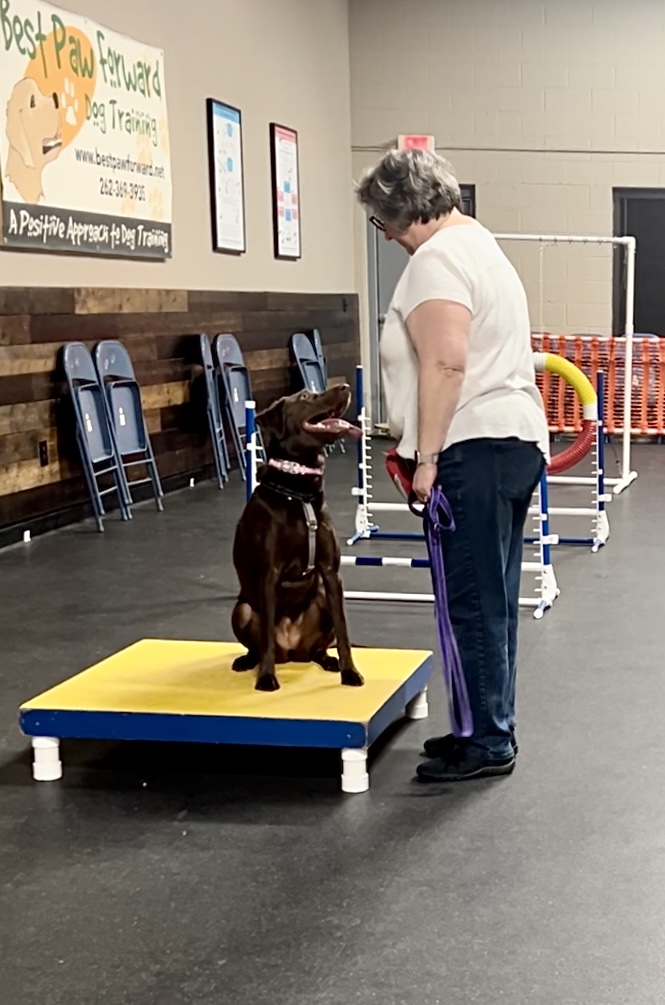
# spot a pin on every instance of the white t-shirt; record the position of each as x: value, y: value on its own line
x: 499, y: 398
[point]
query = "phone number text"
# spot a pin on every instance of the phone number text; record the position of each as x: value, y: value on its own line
x: 121, y: 189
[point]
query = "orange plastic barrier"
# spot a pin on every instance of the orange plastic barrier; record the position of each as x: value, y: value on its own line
x: 592, y: 353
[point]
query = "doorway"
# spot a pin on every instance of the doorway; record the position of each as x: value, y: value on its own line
x: 386, y: 261
x: 640, y: 213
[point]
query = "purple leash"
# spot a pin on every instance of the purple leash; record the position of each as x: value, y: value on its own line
x: 438, y: 518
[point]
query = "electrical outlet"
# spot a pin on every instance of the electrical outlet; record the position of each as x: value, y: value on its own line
x: 43, y: 453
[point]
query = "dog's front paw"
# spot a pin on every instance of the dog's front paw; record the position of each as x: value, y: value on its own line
x: 351, y: 678
x: 267, y: 682
x: 246, y: 662
x: 329, y: 663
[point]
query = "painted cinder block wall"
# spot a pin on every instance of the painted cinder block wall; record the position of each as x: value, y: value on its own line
x: 545, y: 105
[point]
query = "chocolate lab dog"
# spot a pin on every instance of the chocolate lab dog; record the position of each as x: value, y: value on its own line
x: 291, y: 607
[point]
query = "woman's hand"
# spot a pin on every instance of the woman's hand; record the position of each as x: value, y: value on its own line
x: 423, y: 480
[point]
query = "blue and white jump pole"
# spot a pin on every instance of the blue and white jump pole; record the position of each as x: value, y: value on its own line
x: 600, y: 528
x: 364, y: 527
x: 250, y: 447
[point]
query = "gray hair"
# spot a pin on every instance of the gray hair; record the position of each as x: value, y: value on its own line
x: 408, y: 186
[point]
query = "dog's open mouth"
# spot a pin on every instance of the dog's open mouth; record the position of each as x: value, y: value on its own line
x: 331, y: 423
x: 51, y: 144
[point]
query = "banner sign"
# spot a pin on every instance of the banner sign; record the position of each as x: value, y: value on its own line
x: 84, y: 143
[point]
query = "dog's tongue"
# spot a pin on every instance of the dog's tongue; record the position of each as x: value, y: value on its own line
x: 338, y: 426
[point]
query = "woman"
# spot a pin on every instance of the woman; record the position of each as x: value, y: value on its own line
x: 462, y: 399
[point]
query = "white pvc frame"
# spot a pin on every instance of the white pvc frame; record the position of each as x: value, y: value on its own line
x: 628, y: 476
x: 546, y: 583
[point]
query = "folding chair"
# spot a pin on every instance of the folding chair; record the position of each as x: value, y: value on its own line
x: 237, y: 390
x: 311, y: 365
x: 125, y: 412
x: 308, y: 363
x: 214, y: 410
x: 94, y: 434
x: 316, y: 341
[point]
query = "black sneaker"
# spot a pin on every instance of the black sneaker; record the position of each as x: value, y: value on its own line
x: 442, y: 746
x: 461, y: 765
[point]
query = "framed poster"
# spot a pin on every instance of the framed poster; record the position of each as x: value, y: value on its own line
x: 227, y: 183
x: 85, y: 157
x: 285, y: 191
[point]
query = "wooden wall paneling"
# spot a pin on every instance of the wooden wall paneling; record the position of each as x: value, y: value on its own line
x: 21, y: 465
x: 19, y: 359
x: 305, y: 303
x: 187, y: 460
x: 267, y: 359
x: 214, y: 301
x: 17, y: 390
x: 170, y: 417
x: 94, y: 327
x: 164, y: 395
x: 26, y: 416
x: 36, y: 300
x: 292, y: 321
x: 156, y: 371
x: 153, y: 420
x: 44, y: 501
x: 24, y: 446
x: 341, y: 350
x: 14, y: 330
x: 178, y: 345
x: 160, y: 329
x: 111, y: 301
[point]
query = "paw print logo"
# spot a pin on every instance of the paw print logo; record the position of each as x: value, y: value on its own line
x: 69, y: 103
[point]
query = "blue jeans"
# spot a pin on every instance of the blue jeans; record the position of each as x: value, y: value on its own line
x: 489, y: 484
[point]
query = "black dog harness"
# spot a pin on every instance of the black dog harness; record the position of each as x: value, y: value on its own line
x: 306, y: 499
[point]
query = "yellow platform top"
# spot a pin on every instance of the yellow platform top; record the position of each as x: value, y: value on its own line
x: 170, y: 677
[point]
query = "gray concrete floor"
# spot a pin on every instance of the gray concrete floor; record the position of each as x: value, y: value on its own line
x: 159, y: 875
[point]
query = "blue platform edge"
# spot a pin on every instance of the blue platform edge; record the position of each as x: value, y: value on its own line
x: 338, y: 734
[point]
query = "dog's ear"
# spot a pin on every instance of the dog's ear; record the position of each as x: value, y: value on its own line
x: 16, y: 133
x: 272, y: 421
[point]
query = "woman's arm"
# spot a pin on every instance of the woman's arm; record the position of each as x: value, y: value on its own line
x: 439, y: 331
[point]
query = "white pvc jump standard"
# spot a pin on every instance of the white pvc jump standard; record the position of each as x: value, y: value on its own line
x: 546, y: 589
x: 628, y: 475
x: 600, y: 528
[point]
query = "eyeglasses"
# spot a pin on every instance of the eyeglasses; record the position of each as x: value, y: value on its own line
x: 379, y: 224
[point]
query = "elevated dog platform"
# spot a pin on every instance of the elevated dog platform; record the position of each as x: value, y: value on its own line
x: 186, y: 692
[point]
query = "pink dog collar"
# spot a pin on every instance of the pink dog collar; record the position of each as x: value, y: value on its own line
x: 293, y: 468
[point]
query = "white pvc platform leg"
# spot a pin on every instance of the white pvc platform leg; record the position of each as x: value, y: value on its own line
x: 355, y: 777
x: 47, y: 766
x: 418, y: 708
